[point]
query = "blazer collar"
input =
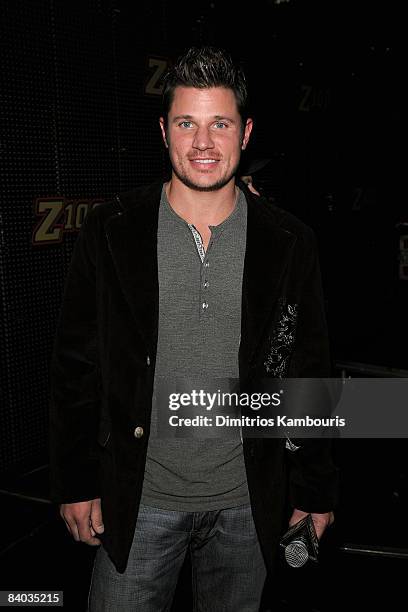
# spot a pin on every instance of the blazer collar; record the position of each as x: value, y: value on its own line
x: 132, y: 239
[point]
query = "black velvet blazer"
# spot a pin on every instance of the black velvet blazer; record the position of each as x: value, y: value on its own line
x: 103, y: 362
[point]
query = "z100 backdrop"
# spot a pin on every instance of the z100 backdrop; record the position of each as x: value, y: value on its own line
x: 79, y: 108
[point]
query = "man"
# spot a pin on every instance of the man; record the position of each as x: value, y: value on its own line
x: 188, y: 278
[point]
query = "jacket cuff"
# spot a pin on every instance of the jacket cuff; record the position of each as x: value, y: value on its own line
x: 82, y: 486
x: 320, y: 498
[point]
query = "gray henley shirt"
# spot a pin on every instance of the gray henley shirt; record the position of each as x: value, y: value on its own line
x: 199, y: 335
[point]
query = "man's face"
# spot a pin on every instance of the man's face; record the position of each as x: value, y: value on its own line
x: 205, y: 136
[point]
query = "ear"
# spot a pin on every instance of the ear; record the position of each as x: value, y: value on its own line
x: 247, y: 133
x: 163, y: 131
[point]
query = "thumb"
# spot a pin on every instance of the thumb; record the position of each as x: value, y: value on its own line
x: 96, y: 517
x: 297, y: 516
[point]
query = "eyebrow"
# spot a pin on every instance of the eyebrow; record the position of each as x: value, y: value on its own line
x: 215, y: 117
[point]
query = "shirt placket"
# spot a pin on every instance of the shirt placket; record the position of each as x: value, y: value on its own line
x: 204, y: 302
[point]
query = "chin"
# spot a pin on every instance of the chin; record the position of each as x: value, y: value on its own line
x: 212, y: 187
x: 215, y: 185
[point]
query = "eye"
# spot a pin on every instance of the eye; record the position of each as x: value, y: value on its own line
x: 185, y: 124
x: 220, y: 124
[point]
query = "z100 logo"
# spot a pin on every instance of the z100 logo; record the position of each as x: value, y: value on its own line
x: 59, y: 216
x: 157, y: 66
x: 314, y: 98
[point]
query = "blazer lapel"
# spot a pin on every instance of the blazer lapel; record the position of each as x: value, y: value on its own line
x: 268, y: 251
x: 132, y: 239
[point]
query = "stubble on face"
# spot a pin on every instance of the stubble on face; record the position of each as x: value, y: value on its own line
x: 181, y: 173
x: 202, y: 106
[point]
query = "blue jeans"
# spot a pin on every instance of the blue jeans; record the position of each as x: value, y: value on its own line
x: 228, y: 571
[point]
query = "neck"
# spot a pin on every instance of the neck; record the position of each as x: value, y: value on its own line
x: 201, y: 207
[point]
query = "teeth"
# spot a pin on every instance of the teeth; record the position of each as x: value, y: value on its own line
x: 205, y: 161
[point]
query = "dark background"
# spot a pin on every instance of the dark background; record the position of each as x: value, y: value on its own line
x: 79, y: 108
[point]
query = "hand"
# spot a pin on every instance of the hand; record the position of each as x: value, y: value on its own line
x: 84, y: 520
x: 320, y: 521
x: 248, y: 182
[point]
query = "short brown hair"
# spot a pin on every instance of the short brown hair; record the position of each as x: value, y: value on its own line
x: 202, y: 68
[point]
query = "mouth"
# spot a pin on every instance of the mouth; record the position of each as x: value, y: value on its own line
x: 204, y: 160
x: 206, y: 163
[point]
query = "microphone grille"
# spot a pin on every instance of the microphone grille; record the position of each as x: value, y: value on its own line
x: 296, y: 553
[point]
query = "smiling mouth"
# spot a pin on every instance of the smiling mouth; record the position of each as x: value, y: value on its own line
x: 204, y: 161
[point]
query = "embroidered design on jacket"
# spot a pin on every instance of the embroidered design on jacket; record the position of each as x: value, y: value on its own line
x: 282, y: 339
x: 290, y: 445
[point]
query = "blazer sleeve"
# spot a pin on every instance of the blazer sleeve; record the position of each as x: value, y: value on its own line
x: 74, y: 378
x: 313, y: 476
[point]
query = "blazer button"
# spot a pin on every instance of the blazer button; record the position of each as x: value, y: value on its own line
x: 138, y: 433
x: 148, y: 360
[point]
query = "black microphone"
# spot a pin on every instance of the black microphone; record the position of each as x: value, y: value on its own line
x: 300, y: 543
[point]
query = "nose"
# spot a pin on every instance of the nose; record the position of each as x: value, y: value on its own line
x: 202, y: 139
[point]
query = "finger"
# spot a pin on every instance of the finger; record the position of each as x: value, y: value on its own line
x: 93, y: 532
x: 320, y: 526
x: 92, y: 542
x: 96, y: 517
x: 85, y: 534
x: 70, y: 523
x: 297, y: 516
x: 72, y: 527
x: 83, y: 524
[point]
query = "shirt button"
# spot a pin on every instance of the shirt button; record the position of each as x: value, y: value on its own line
x: 205, y: 305
x: 206, y: 284
x: 138, y: 433
x: 148, y: 360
